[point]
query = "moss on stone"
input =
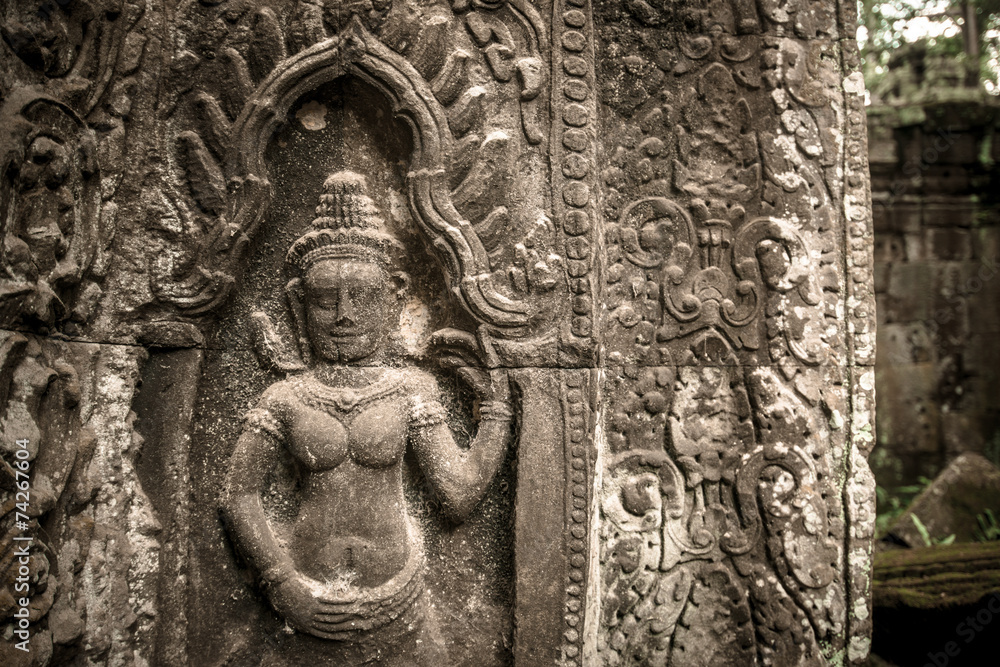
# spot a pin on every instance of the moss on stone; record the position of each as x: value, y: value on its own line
x: 937, y: 577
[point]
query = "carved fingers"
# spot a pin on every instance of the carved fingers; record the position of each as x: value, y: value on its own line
x: 478, y: 380
x: 298, y: 599
x: 331, y: 620
x: 292, y: 599
x: 491, y: 386
x: 455, y: 348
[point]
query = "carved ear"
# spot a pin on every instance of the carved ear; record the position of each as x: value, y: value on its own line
x: 401, y: 280
x: 295, y: 294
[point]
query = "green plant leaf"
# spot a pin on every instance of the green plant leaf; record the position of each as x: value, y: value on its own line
x: 922, y: 529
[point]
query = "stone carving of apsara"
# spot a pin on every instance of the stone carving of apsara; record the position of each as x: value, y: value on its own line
x: 346, y: 571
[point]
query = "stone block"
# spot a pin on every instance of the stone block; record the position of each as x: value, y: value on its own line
x: 881, y: 276
x: 889, y: 247
x: 949, y: 211
x: 929, y: 601
x: 913, y: 416
x: 881, y: 145
x: 962, y: 429
x: 950, y: 314
x: 981, y: 291
x: 960, y: 148
x: 986, y: 245
x: 901, y: 344
x: 969, y: 485
x: 948, y: 180
x: 979, y: 363
x: 915, y: 246
x: 907, y: 214
x: 948, y: 243
x: 910, y: 295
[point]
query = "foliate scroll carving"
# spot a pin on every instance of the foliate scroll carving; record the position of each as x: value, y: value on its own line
x: 716, y: 144
x: 69, y: 81
x: 51, y: 205
x: 520, y: 59
x: 722, y: 302
x: 711, y: 500
x: 734, y: 16
x: 712, y: 272
x: 643, y: 508
x: 636, y: 206
x: 44, y: 441
x: 698, y: 180
x: 703, y: 273
x: 70, y: 74
x: 431, y: 63
x: 804, y: 18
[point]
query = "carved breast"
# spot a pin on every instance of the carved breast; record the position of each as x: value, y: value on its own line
x: 330, y: 425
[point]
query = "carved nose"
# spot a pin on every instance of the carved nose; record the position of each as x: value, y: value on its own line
x: 345, y: 313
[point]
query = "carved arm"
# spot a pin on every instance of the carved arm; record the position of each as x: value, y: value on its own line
x: 255, y: 455
x: 300, y: 600
x: 460, y: 476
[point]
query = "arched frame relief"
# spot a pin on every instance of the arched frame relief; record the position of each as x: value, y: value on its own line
x: 356, y: 52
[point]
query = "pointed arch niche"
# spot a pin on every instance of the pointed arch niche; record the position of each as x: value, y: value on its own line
x: 339, y: 105
x: 281, y: 147
x: 360, y: 59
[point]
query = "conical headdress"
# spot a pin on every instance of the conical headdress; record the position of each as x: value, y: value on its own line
x: 347, y: 226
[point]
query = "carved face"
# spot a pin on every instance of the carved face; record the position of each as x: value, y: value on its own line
x: 351, y: 307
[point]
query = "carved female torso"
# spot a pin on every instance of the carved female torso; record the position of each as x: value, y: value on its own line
x: 351, y: 528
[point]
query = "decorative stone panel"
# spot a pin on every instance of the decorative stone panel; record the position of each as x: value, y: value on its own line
x: 469, y: 332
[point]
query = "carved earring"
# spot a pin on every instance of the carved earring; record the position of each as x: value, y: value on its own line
x: 296, y: 305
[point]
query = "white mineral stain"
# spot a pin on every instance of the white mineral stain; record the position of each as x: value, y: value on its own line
x: 414, y: 322
x: 855, y: 84
x: 858, y: 648
x: 312, y: 115
x: 867, y: 380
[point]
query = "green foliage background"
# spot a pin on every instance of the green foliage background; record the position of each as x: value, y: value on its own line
x: 888, y: 25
